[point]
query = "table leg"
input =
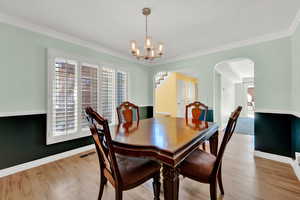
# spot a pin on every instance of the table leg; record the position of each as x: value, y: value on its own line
x: 171, y: 182
x: 214, y: 142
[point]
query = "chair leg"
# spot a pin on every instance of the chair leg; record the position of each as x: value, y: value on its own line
x: 220, y: 183
x: 156, y: 186
x: 204, y: 146
x: 213, y: 190
x: 103, y: 181
x: 119, y: 194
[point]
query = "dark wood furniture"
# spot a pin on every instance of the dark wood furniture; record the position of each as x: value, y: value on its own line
x: 205, y: 167
x: 167, y: 140
x: 122, y: 172
x: 196, y: 108
x: 125, y: 112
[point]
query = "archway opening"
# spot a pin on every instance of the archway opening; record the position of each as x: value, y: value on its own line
x: 233, y: 86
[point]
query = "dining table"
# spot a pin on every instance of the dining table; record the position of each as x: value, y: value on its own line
x: 167, y: 140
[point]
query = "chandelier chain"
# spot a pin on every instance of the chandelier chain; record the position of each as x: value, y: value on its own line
x: 146, y: 26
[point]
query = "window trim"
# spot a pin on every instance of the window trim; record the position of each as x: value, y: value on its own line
x: 53, y: 54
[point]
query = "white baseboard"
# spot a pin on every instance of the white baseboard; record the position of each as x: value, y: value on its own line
x: 282, y: 159
x: 163, y: 113
x: 42, y: 161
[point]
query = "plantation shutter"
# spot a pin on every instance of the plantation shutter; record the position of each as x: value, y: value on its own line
x: 64, y: 100
x: 108, y: 94
x: 121, y: 87
x: 89, y: 90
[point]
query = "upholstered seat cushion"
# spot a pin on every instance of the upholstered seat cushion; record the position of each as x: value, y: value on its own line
x: 198, y: 166
x: 136, y: 170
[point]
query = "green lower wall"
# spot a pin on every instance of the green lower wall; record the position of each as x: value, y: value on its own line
x: 295, y: 134
x: 277, y: 134
x: 23, y: 139
x: 209, y: 117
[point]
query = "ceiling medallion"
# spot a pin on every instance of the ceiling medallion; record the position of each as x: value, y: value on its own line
x: 151, y: 51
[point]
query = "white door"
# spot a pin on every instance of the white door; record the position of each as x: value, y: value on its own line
x: 180, y: 98
x: 186, y: 94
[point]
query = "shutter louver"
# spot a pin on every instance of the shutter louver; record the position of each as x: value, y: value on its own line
x: 107, y: 94
x: 121, y: 87
x: 64, y: 98
x: 89, y: 90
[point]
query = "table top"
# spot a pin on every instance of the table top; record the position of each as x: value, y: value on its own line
x: 164, y: 135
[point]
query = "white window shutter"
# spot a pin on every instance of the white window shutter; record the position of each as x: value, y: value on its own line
x: 121, y: 87
x: 89, y: 90
x: 64, y: 100
x: 108, y: 94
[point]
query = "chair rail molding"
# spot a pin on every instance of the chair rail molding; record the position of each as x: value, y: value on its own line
x: 22, y: 113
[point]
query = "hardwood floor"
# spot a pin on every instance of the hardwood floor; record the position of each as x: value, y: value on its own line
x: 75, y: 178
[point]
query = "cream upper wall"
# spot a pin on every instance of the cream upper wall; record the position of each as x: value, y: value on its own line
x: 272, y: 72
x: 295, y: 94
x: 23, y: 70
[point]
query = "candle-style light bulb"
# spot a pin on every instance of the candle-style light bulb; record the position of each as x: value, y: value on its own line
x: 133, y: 46
x: 137, y: 52
x: 152, y: 53
x: 160, y: 48
x: 148, y: 43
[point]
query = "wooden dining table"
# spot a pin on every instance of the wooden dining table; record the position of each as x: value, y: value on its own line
x: 167, y: 140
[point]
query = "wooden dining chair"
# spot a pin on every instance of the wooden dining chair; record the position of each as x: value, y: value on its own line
x: 122, y: 172
x: 125, y: 112
x: 196, y: 108
x: 205, y: 167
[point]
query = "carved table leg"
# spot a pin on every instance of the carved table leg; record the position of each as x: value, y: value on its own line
x: 171, y: 182
x: 214, y: 142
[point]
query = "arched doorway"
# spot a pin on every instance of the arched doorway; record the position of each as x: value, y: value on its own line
x: 233, y: 86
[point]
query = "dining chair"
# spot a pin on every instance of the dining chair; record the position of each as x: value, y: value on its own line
x: 196, y: 108
x: 205, y: 167
x: 125, y: 112
x: 122, y: 172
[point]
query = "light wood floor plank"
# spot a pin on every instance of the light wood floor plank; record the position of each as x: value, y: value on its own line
x: 75, y: 178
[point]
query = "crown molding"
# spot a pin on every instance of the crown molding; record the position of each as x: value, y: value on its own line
x: 7, y: 19
x: 233, y: 45
x: 18, y: 22
x: 252, y: 41
x: 295, y: 23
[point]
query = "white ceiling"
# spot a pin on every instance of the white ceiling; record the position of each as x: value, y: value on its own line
x: 185, y: 27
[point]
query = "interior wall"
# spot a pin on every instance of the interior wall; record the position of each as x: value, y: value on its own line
x: 295, y: 96
x: 227, y: 99
x: 165, y: 96
x: 166, y: 93
x: 241, y: 98
x: 23, y: 71
x: 272, y: 72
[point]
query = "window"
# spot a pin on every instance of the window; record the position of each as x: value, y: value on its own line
x: 121, y: 87
x: 89, y: 90
x: 108, y: 94
x: 64, y: 98
x: 72, y: 86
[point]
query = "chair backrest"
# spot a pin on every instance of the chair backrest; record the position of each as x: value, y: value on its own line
x: 101, y: 135
x: 125, y: 112
x: 196, y: 108
x: 227, y: 136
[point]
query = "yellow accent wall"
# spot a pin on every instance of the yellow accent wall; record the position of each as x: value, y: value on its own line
x: 165, y: 96
x: 166, y: 93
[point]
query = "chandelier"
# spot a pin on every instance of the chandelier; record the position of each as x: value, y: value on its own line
x: 151, y: 51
